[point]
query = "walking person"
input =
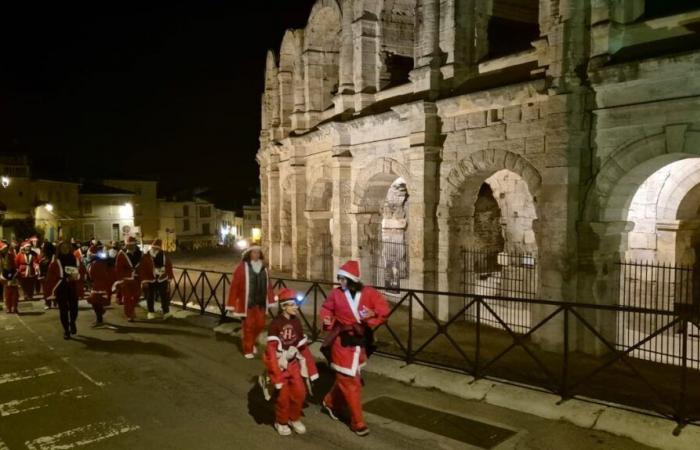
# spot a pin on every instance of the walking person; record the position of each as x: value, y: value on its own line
x: 27, y: 263
x: 156, y: 271
x: 8, y: 277
x: 62, y: 284
x: 349, y: 315
x: 127, y: 279
x: 250, y: 296
x: 101, y: 281
x: 289, y: 364
x: 46, y: 256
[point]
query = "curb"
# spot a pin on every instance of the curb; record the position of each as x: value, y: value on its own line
x: 642, y: 428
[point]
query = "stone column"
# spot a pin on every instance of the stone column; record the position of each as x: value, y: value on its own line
x: 298, y: 173
x: 313, y: 85
x: 286, y: 94
x: 273, y: 212
x: 341, y: 220
x: 264, y: 205
x: 366, y: 60
x: 346, y: 85
x: 426, y: 75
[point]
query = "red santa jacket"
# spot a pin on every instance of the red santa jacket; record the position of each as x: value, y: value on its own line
x: 102, y: 277
x: 238, y: 294
x: 148, y: 272
x: 58, y: 274
x: 287, y: 352
x: 342, y: 313
x: 27, y: 265
x: 8, y: 268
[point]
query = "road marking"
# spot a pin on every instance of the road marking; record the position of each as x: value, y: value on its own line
x: 80, y: 436
x: 8, y: 327
x: 18, y: 353
x: 38, y: 401
x: 26, y: 374
x: 86, y: 376
x: 12, y: 340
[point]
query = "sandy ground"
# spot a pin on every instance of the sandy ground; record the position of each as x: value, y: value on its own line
x: 219, y: 260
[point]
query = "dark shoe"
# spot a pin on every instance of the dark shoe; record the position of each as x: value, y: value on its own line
x: 328, y: 410
x: 73, y: 329
x: 66, y: 335
x: 362, y: 431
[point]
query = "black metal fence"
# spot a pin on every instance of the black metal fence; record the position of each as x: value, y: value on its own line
x: 570, y: 349
x: 505, y: 275
x: 660, y: 286
x: 388, y: 264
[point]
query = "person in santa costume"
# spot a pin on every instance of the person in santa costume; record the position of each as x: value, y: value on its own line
x: 127, y: 279
x: 46, y: 256
x: 62, y: 285
x: 36, y: 248
x: 250, y: 296
x: 101, y: 279
x: 8, y: 277
x: 289, y: 363
x: 156, y: 271
x: 349, y: 315
x: 27, y: 263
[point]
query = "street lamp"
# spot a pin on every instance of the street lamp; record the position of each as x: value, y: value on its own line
x: 5, y: 181
x: 49, y: 207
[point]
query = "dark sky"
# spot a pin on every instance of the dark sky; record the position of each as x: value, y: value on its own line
x: 168, y: 90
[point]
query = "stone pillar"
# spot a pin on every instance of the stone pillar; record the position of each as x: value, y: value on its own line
x: 273, y: 212
x: 340, y: 206
x: 286, y: 94
x: 426, y: 75
x: 366, y: 60
x: 313, y: 86
x: 346, y: 85
x: 299, y: 239
x: 264, y: 206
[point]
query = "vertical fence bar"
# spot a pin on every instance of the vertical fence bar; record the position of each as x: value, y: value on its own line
x: 565, y: 363
x: 409, y: 344
x: 477, y: 355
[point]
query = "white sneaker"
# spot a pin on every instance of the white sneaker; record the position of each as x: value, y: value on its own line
x: 167, y: 316
x: 283, y: 430
x: 249, y: 356
x: 297, y: 426
x: 151, y: 316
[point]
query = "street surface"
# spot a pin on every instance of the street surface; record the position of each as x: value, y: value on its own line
x: 178, y: 385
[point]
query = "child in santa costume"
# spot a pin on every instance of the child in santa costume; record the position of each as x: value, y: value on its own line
x: 8, y: 277
x: 289, y: 363
x: 127, y: 279
x: 250, y: 296
x: 349, y: 315
x: 101, y: 279
x: 156, y: 271
x: 62, y: 285
x: 27, y: 263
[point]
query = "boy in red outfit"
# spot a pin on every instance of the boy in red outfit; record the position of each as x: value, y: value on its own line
x: 289, y: 362
x: 349, y: 314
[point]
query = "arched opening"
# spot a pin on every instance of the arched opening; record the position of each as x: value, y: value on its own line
x: 321, y: 56
x: 290, y: 77
x: 512, y: 26
x: 398, y: 30
x: 319, y: 231
x: 492, y: 245
x: 661, y: 260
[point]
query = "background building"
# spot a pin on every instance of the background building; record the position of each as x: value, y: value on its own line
x: 106, y: 213
x: 145, y: 202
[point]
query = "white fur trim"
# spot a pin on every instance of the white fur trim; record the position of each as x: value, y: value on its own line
x: 342, y: 273
x: 279, y: 385
x: 354, y: 370
x: 314, y: 377
x: 354, y: 304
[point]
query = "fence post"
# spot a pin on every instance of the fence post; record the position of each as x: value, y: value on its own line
x: 477, y: 355
x: 682, y: 419
x: 201, y: 299
x: 409, y: 344
x: 565, y: 363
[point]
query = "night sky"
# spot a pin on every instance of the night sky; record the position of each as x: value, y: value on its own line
x: 165, y: 90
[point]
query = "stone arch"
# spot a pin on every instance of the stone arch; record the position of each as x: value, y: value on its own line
x: 397, y: 31
x: 291, y: 76
x: 318, y: 228
x: 320, y: 195
x: 379, y: 172
x: 321, y: 52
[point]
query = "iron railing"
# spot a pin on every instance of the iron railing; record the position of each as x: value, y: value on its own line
x: 388, y: 264
x: 570, y: 349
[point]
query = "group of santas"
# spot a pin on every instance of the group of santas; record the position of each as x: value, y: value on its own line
x: 63, y: 272
x: 349, y: 315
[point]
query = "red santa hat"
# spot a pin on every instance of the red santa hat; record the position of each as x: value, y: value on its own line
x: 286, y: 297
x: 157, y: 244
x: 350, y: 270
x: 25, y: 244
x: 3, y: 245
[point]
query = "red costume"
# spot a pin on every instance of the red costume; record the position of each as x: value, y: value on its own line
x: 127, y: 279
x: 288, y: 361
x: 250, y: 304
x: 347, y: 318
x: 8, y: 277
x: 102, y: 278
x: 156, y: 271
x: 27, y: 263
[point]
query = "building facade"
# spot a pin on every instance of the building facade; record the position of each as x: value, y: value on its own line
x: 571, y: 128
x: 192, y: 224
x: 145, y: 204
x: 106, y: 214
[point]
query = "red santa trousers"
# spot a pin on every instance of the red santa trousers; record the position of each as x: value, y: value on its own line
x: 253, y: 325
x: 347, y: 392
x: 290, y: 398
x: 27, y: 286
x: 11, y: 294
x: 131, y: 292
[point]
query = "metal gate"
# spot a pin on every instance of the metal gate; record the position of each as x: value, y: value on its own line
x: 664, y: 287
x: 500, y: 274
x: 388, y: 264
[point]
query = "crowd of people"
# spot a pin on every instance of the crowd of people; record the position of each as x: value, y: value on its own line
x: 349, y: 315
x: 65, y: 272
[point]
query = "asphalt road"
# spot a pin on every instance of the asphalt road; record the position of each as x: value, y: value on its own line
x: 178, y: 385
